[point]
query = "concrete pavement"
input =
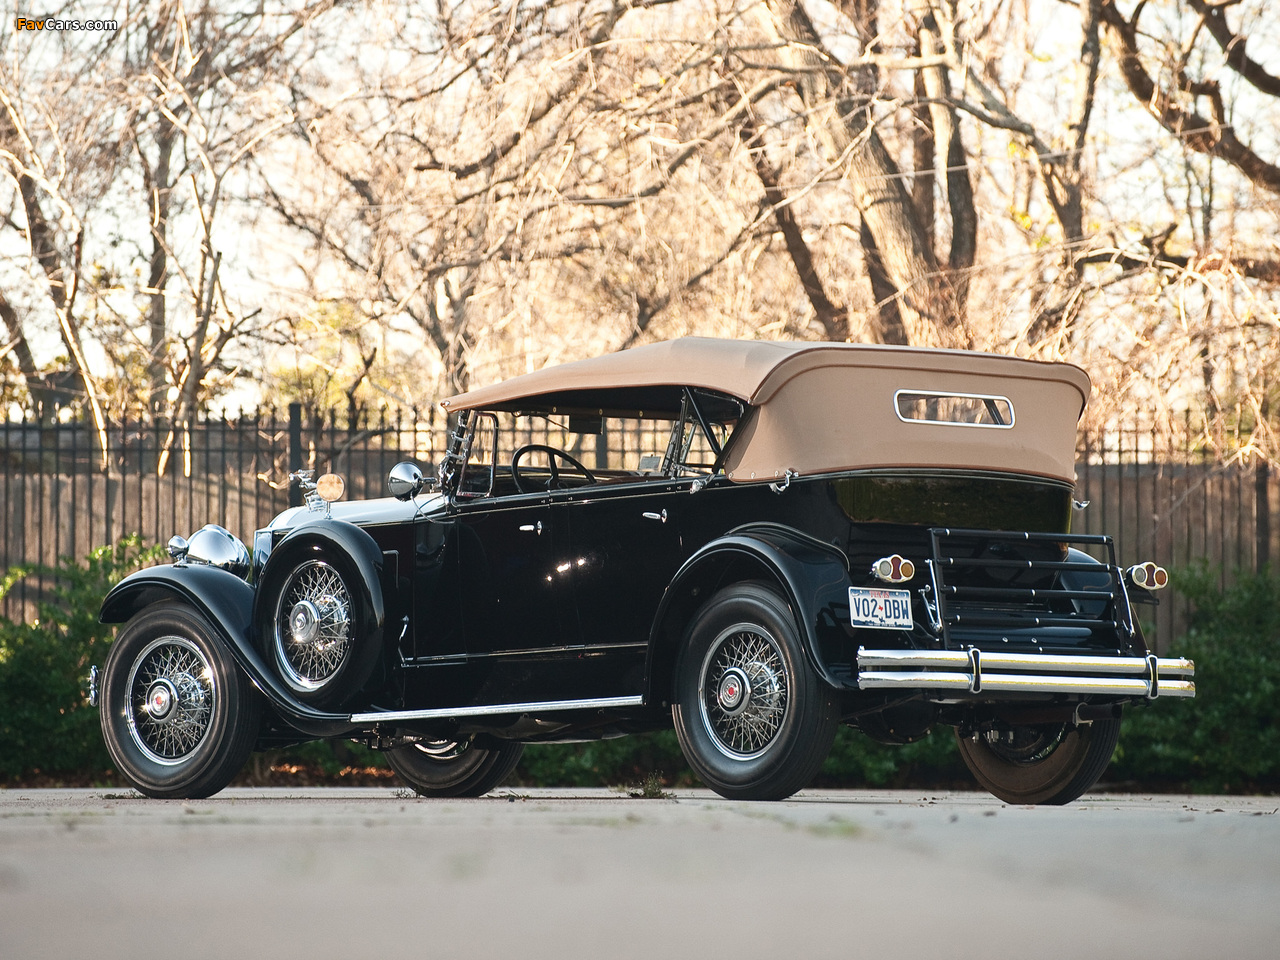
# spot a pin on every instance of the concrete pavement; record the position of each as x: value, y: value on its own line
x: 353, y: 873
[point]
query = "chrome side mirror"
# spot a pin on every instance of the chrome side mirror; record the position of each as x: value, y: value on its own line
x: 405, y: 480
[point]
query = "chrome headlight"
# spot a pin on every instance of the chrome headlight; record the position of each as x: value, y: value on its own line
x: 215, y: 546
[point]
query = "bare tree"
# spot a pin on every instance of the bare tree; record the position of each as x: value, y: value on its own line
x: 133, y: 134
x: 481, y: 188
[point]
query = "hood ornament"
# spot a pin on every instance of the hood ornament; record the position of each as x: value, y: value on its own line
x: 321, y: 492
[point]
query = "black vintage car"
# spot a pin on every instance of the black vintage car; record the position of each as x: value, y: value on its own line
x: 772, y: 539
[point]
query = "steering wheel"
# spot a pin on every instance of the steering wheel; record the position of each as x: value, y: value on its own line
x: 552, y: 455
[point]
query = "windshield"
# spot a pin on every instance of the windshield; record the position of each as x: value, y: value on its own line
x: 521, y: 452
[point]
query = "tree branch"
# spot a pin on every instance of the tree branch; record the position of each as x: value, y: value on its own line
x: 542, y: 107
x: 1233, y: 45
x: 834, y: 319
x: 1210, y: 137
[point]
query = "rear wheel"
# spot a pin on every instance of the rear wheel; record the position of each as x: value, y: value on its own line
x: 448, y: 768
x: 754, y: 719
x: 178, y: 716
x: 1040, y: 765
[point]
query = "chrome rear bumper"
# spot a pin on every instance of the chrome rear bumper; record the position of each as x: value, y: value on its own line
x: 976, y: 672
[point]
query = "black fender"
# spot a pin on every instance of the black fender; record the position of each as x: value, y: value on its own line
x: 813, y: 577
x: 226, y: 602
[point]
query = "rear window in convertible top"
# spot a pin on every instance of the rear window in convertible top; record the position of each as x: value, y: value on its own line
x: 961, y: 409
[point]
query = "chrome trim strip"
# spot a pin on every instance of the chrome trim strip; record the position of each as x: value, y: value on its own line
x: 496, y: 709
x: 970, y: 671
x: 462, y: 659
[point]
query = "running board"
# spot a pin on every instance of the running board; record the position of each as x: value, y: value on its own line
x: 496, y: 709
x: 975, y: 671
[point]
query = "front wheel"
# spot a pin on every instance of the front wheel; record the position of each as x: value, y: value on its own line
x: 448, y: 768
x: 1040, y: 765
x: 754, y: 719
x: 178, y: 716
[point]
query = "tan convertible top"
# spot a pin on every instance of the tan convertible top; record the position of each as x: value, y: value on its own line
x: 735, y: 367
x: 827, y: 406
x: 751, y: 370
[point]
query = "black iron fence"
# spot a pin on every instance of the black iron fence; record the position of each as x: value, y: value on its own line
x: 63, y: 495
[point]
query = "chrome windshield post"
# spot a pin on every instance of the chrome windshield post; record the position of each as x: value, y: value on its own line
x: 455, y: 456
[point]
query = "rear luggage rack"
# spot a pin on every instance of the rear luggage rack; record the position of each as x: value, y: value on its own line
x: 990, y: 586
x: 996, y: 600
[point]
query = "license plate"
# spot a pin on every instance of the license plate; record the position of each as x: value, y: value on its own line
x: 880, y: 609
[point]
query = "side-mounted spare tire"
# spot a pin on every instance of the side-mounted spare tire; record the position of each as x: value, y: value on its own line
x: 316, y: 624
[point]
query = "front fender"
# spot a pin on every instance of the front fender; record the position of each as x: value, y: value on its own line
x: 226, y: 602
x: 811, y: 575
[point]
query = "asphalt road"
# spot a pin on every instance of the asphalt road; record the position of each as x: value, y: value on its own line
x: 378, y: 873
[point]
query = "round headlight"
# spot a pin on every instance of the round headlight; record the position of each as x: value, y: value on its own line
x: 217, y: 547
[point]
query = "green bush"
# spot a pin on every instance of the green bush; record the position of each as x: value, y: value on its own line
x: 858, y: 761
x: 625, y: 761
x: 1228, y: 738
x: 46, y: 724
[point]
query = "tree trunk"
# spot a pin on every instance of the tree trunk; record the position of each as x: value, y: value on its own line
x: 949, y: 157
x: 842, y: 121
x: 157, y: 323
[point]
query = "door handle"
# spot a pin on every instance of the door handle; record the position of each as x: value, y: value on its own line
x: 660, y: 517
x: 531, y: 527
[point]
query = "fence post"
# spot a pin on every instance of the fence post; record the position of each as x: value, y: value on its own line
x: 1262, y: 499
x: 295, y: 452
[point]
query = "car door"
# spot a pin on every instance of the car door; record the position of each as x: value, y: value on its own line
x: 507, y: 564
x: 627, y: 539
x: 624, y: 548
x: 513, y: 579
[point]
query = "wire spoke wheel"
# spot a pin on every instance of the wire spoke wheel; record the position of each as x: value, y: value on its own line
x: 1023, y: 745
x: 1040, y: 764
x: 313, y: 625
x: 178, y: 715
x: 319, y: 619
x: 450, y: 768
x: 754, y: 719
x: 170, y: 700
x: 744, y: 691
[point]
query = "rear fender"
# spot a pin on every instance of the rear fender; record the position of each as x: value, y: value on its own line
x: 812, y: 576
x: 226, y: 602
